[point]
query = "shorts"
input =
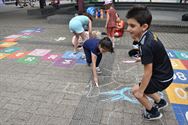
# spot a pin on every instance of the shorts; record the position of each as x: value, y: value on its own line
x: 155, y: 86
x: 76, y: 26
x: 110, y: 31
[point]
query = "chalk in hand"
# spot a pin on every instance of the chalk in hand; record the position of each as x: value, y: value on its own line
x: 97, y: 84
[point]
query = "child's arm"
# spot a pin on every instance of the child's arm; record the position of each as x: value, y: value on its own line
x: 95, y: 77
x: 107, y: 18
x: 118, y: 26
x: 90, y: 28
x: 145, y: 79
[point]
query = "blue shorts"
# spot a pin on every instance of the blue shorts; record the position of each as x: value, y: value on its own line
x: 76, y: 26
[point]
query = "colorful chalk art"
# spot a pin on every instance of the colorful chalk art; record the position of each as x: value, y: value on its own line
x: 8, y: 51
x: 178, y: 90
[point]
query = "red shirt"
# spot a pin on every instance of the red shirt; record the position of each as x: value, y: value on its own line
x: 112, y: 18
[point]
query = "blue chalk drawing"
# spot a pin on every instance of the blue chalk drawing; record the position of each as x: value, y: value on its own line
x: 121, y: 94
x: 81, y: 61
x: 72, y: 55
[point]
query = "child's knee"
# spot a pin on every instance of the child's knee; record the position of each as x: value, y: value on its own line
x: 134, y: 89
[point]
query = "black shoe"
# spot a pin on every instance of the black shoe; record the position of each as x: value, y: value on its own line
x: 152, y: 116
x: 16, y: 3
x: 161, y: 105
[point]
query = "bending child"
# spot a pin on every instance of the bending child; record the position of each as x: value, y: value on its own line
x: 77, y: 26
x: 111, y: 17
x: 93, y: 49
x: 158, y: 72
x: 120, y: 25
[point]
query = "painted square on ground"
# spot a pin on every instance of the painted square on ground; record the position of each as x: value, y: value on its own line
x: 66, y: 63
x: 51, y: 57
x: 181, y: 76
x: 17, y: 55
x: 39, y: 52
x: 177, y: 64
x: 9, y: 40
x: 181, y: 112
x: 3, y: 55
x: 28, y: 60
x: 185, y: 63
x: 10, y: 50
x: 81, y: 61
x: 177, y: 93
x: 171, y: 54
x: 72, y: 55
x: 182, y: 55
x: 7, y: 44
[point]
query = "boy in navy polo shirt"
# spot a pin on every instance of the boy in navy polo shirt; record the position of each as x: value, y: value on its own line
x: 93, y: 49
x: 158, y: 72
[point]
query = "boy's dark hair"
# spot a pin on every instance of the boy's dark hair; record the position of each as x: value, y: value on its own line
x: 141, y: 14
x: 106, y: 43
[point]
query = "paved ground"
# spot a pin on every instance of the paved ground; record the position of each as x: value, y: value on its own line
x: 44, y: 94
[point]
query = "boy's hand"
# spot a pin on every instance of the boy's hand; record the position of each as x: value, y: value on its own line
x: 96, y: 82
x: 138, y: 59
x: 139, y: 94
x: 90, y: 35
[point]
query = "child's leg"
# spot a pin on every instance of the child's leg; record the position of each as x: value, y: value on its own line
x: 110, y: 33
x: 84, y: 36
x: 75, y: 42
x: 143, y: 100
x: 99, y: 57
x: 88, y: 56
x: 155, y: 96
x: 151, y: 113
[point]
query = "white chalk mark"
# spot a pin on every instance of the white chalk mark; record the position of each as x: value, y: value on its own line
x: 60, y: 39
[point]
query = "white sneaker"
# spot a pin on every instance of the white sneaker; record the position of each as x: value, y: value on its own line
x: 83, y: 56
x: 98, y: 70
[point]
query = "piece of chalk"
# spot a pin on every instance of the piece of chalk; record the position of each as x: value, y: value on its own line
x: 97, y: 84
x: 129, y: 61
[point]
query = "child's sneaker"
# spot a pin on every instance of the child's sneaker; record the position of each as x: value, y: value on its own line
x: 98, y: 70
x: 83, y: 56
x: 161, y: 105
x: 152, y: 116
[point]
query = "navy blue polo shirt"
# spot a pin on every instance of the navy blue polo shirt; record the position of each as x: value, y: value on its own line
x: 92, y: 45
x: 153, y: 51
